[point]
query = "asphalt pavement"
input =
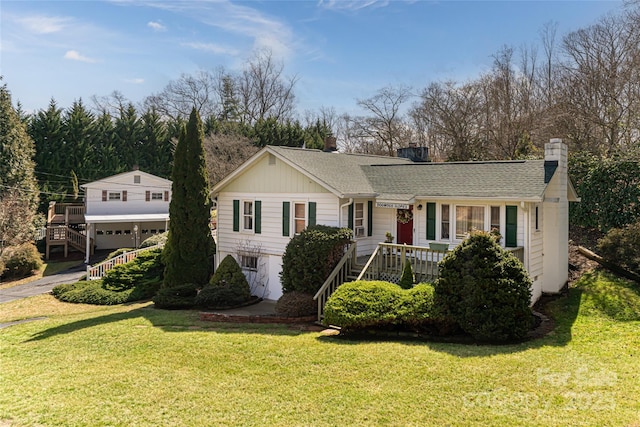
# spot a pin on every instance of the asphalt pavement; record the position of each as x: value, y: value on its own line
x: 43, y: 285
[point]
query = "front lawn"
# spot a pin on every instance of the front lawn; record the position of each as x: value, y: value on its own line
x: 135, y: 365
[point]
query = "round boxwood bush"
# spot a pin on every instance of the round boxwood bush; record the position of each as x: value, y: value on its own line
x: 21, y: 260
x: 485, y: 290
x: 228, y: 287
x: 311, y: 256
x: 296, y: 304
x: 363, y: 305
x: 176, y: 297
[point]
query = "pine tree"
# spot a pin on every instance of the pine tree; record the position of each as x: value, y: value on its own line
x: 190, y: 247
x: 18, y: 187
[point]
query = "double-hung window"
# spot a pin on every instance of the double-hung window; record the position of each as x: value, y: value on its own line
x: 468, y: 218
x: 247, y: 215
x: 358, y: 220
x: 299, y: 217
x: 113, y: 195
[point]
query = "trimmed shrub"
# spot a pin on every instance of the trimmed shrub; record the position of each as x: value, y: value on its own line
x: 144, y: 274
x: 21, y: 260
x: 136, y: 280
x: 155, y: 239
x: 620, y: 246
x: 485, y: 290
x: 228, y: 287
x: 416, y: 309
x: 296, y: 304
x: 2, y: 266
x: 362, y: 305
x: 90, y: 292
x: 406, y: 280
x: 383, y: 305
x: 177, y: 297
x: 118, y: 252
x: 311, y: 256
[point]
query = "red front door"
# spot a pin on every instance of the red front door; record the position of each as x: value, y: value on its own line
x: 405, y: 226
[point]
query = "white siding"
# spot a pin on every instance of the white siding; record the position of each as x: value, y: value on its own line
x: 535, y: 262
x: 270, y: 242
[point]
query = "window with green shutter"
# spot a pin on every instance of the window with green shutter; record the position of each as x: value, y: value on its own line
x: 369, y: 218
x: 258, y: 216
x: 236, y: 215
x: 431, y: 221
x: 312, y: 213
x: 286, y: 219
x: 511, y: 236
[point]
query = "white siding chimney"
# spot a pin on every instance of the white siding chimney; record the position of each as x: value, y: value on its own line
x: 556, y: 217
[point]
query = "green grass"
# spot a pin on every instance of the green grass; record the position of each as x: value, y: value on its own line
x: 134, y: 365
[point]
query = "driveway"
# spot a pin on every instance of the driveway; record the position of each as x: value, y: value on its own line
x: 42, y: 286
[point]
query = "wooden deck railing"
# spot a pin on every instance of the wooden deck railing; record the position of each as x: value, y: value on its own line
x: 97, y: 271
x: 337, y: 277
x: 65, y: 213
x: 388, y: 261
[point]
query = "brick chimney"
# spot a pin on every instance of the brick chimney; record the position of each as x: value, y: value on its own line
x: 330, y: 144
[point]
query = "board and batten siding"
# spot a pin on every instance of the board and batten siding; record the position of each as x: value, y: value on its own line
x: 271, y: 175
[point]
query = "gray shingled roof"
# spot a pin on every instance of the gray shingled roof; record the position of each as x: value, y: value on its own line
x: 339, y: 171
x: 391, y: 178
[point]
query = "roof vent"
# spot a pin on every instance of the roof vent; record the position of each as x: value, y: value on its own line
x: 414, y: 153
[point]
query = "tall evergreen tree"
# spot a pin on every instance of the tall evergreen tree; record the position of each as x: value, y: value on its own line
x: 46, y: 130
x: 128, y: 132
x: 156, y: 145
x: 190, y: 247
x: 18, y: 187
x: 79, y: 130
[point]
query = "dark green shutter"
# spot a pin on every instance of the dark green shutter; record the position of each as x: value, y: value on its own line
x: 511, y: 238
x: 312, y: 213
x: 369, y: 218
x: 350, y: 220
x: 286, y: 212
x: 258, y: 213
x: 431, y: 221
x: 236, y: 215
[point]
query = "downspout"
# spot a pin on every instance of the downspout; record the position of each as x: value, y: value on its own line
x: 340, y: 212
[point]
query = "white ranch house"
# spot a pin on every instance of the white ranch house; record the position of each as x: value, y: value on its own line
x: 281, y: 190
x: 118, y: 211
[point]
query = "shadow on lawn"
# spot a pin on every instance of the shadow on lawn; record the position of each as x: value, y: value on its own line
x: 169, y: 321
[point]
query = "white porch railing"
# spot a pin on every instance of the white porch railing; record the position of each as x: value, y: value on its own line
x: 388, y: 260
x: 338, y: 276
x: 97, y: 271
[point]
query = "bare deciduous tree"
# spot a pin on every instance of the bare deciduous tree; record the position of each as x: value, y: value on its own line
x: 384, y: 128
x: 264, y: 91
x: 224, y: 153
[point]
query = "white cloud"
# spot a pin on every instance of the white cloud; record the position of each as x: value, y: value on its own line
x: 136, y: 81
x: 74, y: 55
x: 212, y: 47
x: 44, y: 24
x: 156, y: 26
x: 265, y: 31
x: 352, y: 5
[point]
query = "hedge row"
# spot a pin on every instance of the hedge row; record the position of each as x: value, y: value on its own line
x: 380, y: 305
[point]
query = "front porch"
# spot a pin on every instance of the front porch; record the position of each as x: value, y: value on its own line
x: 386, y: 263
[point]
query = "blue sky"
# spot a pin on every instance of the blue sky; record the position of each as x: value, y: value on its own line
x: 340, y: 50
